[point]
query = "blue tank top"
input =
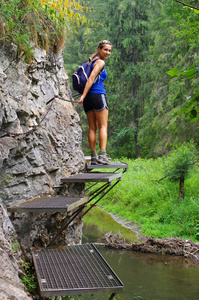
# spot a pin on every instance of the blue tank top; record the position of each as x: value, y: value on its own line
x: 98, y: 86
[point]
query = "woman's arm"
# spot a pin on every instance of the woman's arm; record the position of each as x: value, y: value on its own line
x: 97, y: 67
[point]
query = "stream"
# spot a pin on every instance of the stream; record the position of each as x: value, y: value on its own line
x: 145, y: 276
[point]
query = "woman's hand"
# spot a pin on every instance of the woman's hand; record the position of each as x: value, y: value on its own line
x: 80, y: 101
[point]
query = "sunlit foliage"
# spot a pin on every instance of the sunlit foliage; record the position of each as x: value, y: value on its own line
x: 41, y: 21
x: 65, y: 12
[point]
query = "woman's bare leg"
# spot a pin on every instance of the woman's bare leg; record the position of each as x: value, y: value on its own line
x: 92, y: 123
x: 102, y: 121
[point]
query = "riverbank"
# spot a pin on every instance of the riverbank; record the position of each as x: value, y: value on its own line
x: 171, y: 246
x: 130, y: 225
x: 111, y: 235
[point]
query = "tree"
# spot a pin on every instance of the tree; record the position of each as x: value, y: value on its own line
x: 179, y: 164
x: 190, y: 31
x: 174, y: 43
x: 128, y: 23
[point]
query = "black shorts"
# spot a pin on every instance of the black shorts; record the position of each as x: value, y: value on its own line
x: 95, y: 102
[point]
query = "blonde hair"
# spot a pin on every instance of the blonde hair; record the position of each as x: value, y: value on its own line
x: 100, y: 45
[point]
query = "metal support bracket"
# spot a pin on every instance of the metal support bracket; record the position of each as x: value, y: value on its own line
x: 94, y: 194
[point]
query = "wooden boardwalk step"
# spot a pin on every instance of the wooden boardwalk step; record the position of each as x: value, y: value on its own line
x: 74, y: 270
x: 92, y: 177
x: 49, y: 204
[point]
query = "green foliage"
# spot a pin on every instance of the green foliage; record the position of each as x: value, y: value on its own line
x: 21, y: 23
x: 128, y: 23
x: 192, y: 103
x: 14, y: 245
x: 29, y: 279
x: 40, y: 21
x: 152, y: 203
x: 180, y: 161
x: 122, y: 142
x: 171, y: 46
x: 189, y: 29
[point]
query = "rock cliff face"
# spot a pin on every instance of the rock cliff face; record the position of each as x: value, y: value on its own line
x: 40, y: 143
x: 36, y: 161
x: 10, y: 284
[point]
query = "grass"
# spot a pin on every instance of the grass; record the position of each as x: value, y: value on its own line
x: 154, y: 204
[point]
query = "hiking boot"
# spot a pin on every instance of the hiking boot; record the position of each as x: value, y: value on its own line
x: 103, y: 159
x: 94, y: 161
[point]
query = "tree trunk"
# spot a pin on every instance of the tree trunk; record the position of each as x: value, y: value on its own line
x: 181, y: 190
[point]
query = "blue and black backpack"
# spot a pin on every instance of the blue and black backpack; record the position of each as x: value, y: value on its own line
x: 80, y: 77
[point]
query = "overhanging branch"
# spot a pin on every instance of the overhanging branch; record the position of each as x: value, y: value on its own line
x: 184, y: 4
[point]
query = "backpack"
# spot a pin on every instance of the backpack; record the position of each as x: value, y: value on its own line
x: 80, y: 77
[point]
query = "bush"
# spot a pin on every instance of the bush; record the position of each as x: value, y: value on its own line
x: 179, y: 163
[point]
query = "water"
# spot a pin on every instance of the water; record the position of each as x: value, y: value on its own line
x: 151, y: 277
x: 97, y: 222
x: 148, y: 276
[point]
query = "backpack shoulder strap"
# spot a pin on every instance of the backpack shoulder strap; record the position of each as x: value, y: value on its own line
x: 92, y: 62
x: 99, y: 74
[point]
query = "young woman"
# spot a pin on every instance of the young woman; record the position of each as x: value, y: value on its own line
x: 95, y: 103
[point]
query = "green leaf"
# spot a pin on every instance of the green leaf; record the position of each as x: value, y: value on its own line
x: 195, y: 119
x: 191, y: 102
x: 173, y: 72
x: 183, y: 110
x: 190, y: 72
x: 196, y: 91
x: 193, y: 113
